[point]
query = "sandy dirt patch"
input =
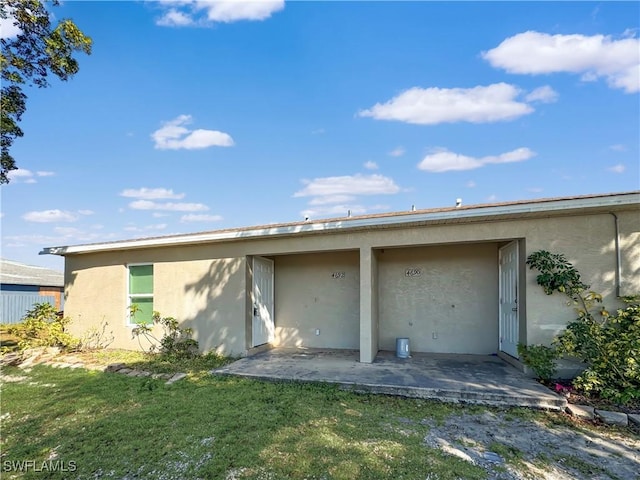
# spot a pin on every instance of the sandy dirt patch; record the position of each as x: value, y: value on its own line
x: 514, y: 448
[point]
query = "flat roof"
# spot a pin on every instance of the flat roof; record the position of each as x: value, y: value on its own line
x: 461, y: 214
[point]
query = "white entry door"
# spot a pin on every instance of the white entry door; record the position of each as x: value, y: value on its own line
x: 263, y: 326
x: 509, y: 319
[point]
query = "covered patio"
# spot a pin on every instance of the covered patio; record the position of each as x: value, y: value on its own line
x: 476, y: 379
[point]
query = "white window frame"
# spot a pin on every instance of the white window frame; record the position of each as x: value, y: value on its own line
x: 129, y: 323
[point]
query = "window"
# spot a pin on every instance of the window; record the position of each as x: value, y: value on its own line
x: 141, y: 294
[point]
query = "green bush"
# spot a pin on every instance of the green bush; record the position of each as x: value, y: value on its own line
x: 540, y: 358
x: 611, y: 348
x: 43, y: 327
x: 608, y: 344
x: 175, y: 343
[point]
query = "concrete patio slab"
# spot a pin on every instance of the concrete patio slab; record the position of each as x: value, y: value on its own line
x: 477, y: 379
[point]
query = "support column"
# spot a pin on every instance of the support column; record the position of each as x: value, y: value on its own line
x: 368, y: 305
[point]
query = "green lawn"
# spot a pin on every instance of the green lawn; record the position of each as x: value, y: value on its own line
x: 85, y: 424
x: 114, y: 426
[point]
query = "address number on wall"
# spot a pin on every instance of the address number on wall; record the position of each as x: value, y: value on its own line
x: 412, y: 272
x: 337, y: 275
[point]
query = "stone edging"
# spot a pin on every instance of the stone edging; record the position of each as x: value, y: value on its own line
x: 618, y: 419
x: 52, y: 357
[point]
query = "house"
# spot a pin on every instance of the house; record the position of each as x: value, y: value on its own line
x: 452, y: 280
x: 22, y: 286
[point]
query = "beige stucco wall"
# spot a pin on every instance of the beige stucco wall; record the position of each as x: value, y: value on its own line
x: 454, y: 298
x: 310, y: 294
x: 204, y: 294
x: 208, y: 296
x: 95, y: 283
x: 589, y: 243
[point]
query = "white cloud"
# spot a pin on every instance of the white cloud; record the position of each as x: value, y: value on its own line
x: 146, y: 228
x: 471, y: 184
x: 318, y: 131
x: 77, y: 232
x: 348, y: 185
x: 47, y: 216
x: 174, y: 135
x: 22, y: 175
x: 328, y: 199
x: 206, y: 12
x: 7, y: 28
x: 592, y: 57
x: 67, y: 231
x: 544, y: 94
x: 63, y: 236
x: 194, y: 217
x: 342, y: 210
x: 335, y: 196
x: 431, y: 106
x: 151, y: 193
x: 618, y: 147
x: 334, y: 210
x: 19, y: 174
x: 232, y: 11
x: 160, y: 214
x: 443, y: 160
x: 370, y: 165
x: 175, y: 18
x: 168, y: 206
x: 619, y: 168
x: 534, y: 189
x: 86, y: 212
x: 397, y: 152
x: 492, y: 198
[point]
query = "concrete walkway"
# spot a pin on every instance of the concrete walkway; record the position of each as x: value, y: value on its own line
x: 478, y: 379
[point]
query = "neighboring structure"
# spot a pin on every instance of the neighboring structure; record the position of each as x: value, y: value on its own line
x: 22, y: 286
x: 452, y: 280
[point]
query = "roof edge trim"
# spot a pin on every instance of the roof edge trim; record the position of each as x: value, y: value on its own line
x: 550, y: 206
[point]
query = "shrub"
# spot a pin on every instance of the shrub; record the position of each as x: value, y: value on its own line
x: 609, y: 344
x: 97, y: 338
x: 540, y: 358
x: 611, y: 348
x: 43, y: 327
x: 176, y: 342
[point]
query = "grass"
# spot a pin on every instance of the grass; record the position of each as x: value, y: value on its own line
x: 508, y: 452
x: 155, y: 363
x: 115, y: 426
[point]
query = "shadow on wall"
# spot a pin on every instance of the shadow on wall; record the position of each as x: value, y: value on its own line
x: 629, y: 244
x: 218, y: 321
x: 594, y: 255
x: 69, y: 279
x: 288, y: 337
x: 592, y: 251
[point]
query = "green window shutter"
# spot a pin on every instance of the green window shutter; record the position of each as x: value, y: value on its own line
x: 141, y: 279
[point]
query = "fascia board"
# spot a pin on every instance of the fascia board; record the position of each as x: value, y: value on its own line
x: 549, y: 207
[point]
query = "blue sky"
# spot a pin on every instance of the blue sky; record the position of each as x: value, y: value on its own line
x: 196, y: 116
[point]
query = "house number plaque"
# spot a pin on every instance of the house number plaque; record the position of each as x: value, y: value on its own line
x: 337, y: 275
x: 412, y: 272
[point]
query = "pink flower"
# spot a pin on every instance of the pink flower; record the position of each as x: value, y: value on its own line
x: 563, y: 390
